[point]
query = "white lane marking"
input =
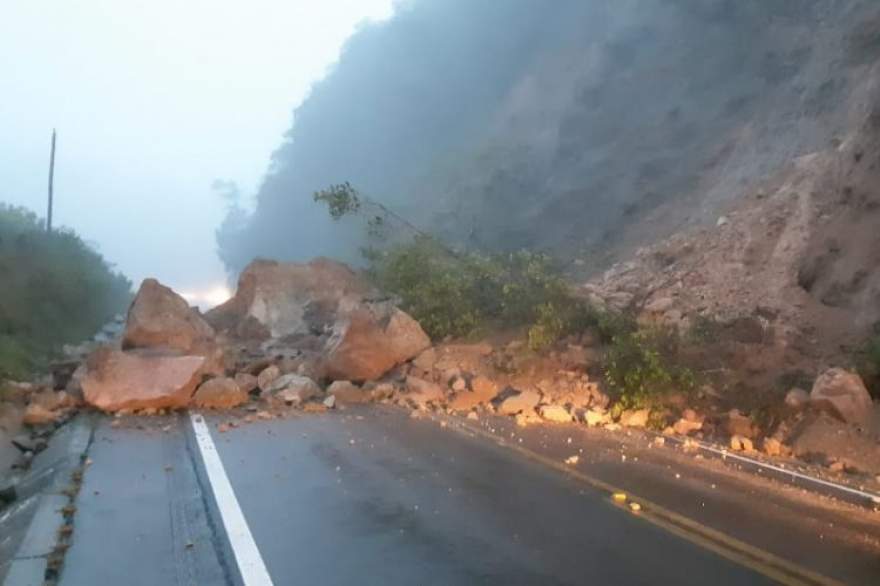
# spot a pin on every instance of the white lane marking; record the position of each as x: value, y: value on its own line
x: 870, y: 497
x: 247, y: 556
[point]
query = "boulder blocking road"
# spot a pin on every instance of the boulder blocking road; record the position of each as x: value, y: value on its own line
x: 373, y: 496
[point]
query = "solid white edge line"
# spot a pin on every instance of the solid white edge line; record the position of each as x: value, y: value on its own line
x: 247, y: 556
x: 873, y: 498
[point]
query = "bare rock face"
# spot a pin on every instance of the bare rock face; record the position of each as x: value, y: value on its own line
x: 160, y: 319
x: 323, y: 307
x: 285, y: 299
x: 220, y: 393
x: 118, y: 380
x: 371, y: 339
x: 843, y: 394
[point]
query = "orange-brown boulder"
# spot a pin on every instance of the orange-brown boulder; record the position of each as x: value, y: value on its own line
x: 219, y: 393
x: 277, y: 299
x: 118, y: 380
x: 159, y: 319
x: 369, y: 339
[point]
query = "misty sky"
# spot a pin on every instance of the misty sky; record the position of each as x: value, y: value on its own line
x: 153, y: 101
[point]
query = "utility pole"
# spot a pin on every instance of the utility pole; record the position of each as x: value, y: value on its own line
x: 51, y: 182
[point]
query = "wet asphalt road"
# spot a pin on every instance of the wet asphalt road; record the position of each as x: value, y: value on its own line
x: 378, y: 499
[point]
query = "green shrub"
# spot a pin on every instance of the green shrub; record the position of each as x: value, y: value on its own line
x: 461, y: 293
x: 453, y: 294
x: 705, y: 329
x: 641, y: 368
x: 55, y: 290
x: 868, y: 365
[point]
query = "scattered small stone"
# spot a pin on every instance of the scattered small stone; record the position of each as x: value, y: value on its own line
x: 595, y: 417
x: 772, y: 446
x: 524, y: 419
x: 738, y: 424
x: 635, y: 418
x: 739, y: 443
x: 36, y: 414
x: 555, y: 413
x: 346, y: 392
x: 473, y: 416
x: 330, y: 402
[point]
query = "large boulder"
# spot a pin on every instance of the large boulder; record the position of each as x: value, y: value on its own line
x: 220, y: 393
x: 287, y: 299
x: 159, y: 319
x: 346, y: 392
x: 843, y: 394
x: 370, y: 339
x: 118, y: 380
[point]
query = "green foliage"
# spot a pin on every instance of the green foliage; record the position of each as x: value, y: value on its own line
x: 341, y: 199
x: 55, y: 290
x: 705, y: 329
x: 458, y: 294
x: 454, y: 294
x: 868, y: 364
x: 641, y: 368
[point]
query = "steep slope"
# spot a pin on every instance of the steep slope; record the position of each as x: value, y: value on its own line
x: 561, y: 127
x: 785, y: 283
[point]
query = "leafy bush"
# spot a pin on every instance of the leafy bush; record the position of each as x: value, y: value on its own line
x: 453, y: 294
x: 868, y: 364
x: 641, y: 367
x: 56, y: 290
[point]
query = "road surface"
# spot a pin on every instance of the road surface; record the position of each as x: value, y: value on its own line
x: 375, y: 497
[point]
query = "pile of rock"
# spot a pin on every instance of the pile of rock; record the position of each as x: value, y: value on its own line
x: 289, y: 329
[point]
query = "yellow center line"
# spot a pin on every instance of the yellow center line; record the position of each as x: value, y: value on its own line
x: 759, y: 560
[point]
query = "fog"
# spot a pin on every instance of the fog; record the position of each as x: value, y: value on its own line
x: 550, y: 126
x: 499, y: 125
x: 153, y: 102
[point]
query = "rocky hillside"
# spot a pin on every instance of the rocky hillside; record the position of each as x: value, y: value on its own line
x: 563, y: 129
x: 788, y: 273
